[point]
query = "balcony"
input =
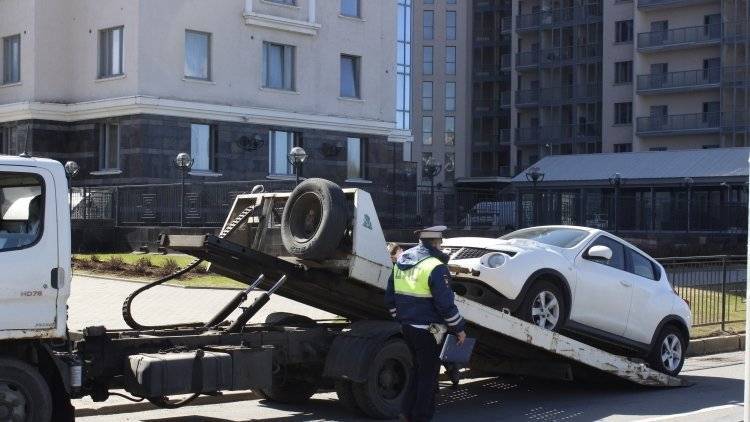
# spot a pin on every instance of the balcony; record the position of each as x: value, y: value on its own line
x: 689, y: 80
x: 679, y: 124
x: 506, y: 25
x: 735, y: 33
x: 505, y: 61
x: 735, y: 76
x: 572, y: 54
x: 679, y: 38
x: 527, y: 98
x: 558, y: 134
x: 664, y: 4
x: 505, y: 99
x: 559, y: 17
x: 735, y: 121
x: 487, y: 106
x: 491, y: 141
x: 527, y: 60
x: 569, y: 94
x: 487, y: 71
x: 484, y: 34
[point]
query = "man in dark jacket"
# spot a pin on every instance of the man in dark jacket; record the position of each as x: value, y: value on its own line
x: 419, y: 294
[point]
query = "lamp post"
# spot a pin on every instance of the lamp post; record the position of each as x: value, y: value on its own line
x: 616, y: 181
x: 184, y: 163
x: 296, y: 157
x: 534, y: 176
x: 71, y: 170
x: 688, y: 183
x: 430, y: 169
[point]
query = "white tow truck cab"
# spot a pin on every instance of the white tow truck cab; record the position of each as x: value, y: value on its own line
x: 319, y: 245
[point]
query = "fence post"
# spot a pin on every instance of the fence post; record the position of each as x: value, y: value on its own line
x: 723, y: 292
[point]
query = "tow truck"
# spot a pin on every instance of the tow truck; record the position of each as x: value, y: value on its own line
x: 319, y: 245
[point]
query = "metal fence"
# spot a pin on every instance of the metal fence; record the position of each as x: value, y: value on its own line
x: 714, y: 286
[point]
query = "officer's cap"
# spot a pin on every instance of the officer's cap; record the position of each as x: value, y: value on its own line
x: 434, y: 232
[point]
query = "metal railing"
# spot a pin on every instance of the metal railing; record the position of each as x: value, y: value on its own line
x: 735, y: 75
x: 505, y: 99
x: 505, y: 61
x: 735, y: 32
x: 527, y: 58
x: 486, y: 105
x: 654, y: 3
x: 527, y: 97
x: 714, y: 286
x: 679, y: 36
x: 700, y: 122
x: 557, y: 17
x: 558, y: 133
x: 569, y: 93
x: 501, y: 138
x: 506, y: 24
x: 569, y: 54
x: 678, y: 80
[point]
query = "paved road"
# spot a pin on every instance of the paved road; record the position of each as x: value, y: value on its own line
x: 715, y: 395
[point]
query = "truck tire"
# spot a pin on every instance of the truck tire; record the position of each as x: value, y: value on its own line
x: 314, y: 219
x: 345, y: 393
x: 24, y: 393
x: 286, y: 319
x: 289, y: 391
x: 387, y: 380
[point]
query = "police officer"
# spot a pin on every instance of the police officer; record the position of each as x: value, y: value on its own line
x: 419, y: 294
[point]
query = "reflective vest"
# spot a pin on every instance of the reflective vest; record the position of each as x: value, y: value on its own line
x: 416, y: 280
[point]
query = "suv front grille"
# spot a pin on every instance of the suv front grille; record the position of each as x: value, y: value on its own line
x: 468, y: 253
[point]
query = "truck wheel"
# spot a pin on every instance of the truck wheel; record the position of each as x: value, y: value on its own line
x: 390, y: 373
x: 24, y: 394
x: 314, y: 219
x: 668, y: 354
x: 543, y: 306
x: 345, y: 393
x: 288, y: 387
x: 286, y: 319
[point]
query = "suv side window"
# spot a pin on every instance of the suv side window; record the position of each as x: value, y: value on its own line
x: 641, y: 265
x: 21, y: 210
x: 618, y: 253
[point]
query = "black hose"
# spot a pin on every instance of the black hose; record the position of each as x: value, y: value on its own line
x: 127, y: 313
x: 164, y: 402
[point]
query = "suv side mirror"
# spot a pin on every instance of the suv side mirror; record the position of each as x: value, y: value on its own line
x: 600, y: 252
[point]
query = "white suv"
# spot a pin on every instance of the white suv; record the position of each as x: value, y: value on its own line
x: 586, y: 282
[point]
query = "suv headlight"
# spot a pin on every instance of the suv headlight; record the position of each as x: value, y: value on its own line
x: 493, y: 260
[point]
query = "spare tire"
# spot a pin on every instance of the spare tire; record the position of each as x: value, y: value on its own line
x: 314, y: 219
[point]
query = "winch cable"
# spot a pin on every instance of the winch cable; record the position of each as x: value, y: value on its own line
x: 127, y: 313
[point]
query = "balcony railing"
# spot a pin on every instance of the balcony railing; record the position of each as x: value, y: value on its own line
x: 679, y: 123
x: 684, y: 80
x: 486, y: 70
x: 505, y: 99
x: 491, y: 140
x: 527, y: 59
x: 484, y: 34
x: 559, y: 17
x: 558, y: 133
x: 680, y: 37
x: 569, y: 93
x: 735, y: 32
x: 658, y: 4
x: 506, y: 24
x: 569, y: 54
x: 505, y: 61
x: 527, y: 97
x: 735, y: 75
x: 735, y: 121
x: 482, y: 105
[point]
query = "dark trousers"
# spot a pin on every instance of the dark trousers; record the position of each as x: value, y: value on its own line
x: 419, y: 401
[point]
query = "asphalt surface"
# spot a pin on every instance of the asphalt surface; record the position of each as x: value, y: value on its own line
x: 715, y: 393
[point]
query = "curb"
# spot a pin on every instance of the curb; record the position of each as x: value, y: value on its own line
x: 714, y: 345
x: 132, y: 280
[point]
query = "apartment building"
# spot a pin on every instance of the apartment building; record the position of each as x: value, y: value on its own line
x: 618, y: 76
x: 123, y: 86
x: 440, y: 86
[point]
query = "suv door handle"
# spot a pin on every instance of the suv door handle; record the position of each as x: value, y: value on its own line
x: 625, y: 283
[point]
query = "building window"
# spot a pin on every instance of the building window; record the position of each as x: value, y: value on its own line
x: 350, y: 8
x: 403, y: 66
x: 110, y: 52
x: 202, y: 147
x: 109, y: 146
x: 355, y: 158
x: 427, y: 96
x: 450, y: 165
x: 450, y: 60
x: 450, y: 2
x: 350, y: 66
x: 427, y: 130
x: 427, y: 60
x: 623, y: 113
x: 624, y: 72
x: 450, y: 130
x: 450, y: 25
x: 624, y: 147
x: 450, y: 96
x: 12, y: 59
x: 624, y: 31
x: 286, y: 2
x: 278, y: 66
x: 428, y: 25
x: 280, y: 143
x: 197, y: 55
x: 7, y: 133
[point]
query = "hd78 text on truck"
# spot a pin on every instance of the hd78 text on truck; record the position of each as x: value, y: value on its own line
x: 319, y: 245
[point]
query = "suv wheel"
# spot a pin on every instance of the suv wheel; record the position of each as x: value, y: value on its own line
x: 544, y: 306
x: 668, y: 355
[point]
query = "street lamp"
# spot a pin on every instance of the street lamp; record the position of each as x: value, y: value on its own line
x: 184, y: 163
x: 616, y: 181
x: 688, y: 183
x: 430, y: 169
x: 71, y: 170
x: 534, y: 176
x: 296, y: 157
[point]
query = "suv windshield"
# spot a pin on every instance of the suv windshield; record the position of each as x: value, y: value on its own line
x: 555, y: 236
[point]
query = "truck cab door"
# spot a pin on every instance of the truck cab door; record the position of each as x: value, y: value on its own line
x: 29, y: 259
